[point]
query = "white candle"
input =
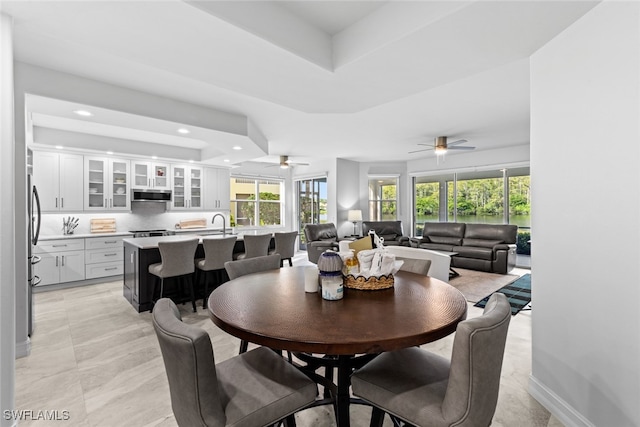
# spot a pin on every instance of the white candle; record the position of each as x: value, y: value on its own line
x: 311, y: 279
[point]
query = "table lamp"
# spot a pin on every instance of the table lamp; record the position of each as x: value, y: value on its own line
x: 354, y: 216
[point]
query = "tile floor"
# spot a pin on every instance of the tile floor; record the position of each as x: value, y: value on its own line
x: 94, y: 356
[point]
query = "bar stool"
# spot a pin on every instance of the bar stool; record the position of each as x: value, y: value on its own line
x: 177, y: 261
x: 255, y: 246
x: 285, y: 246
x: 216, y: 253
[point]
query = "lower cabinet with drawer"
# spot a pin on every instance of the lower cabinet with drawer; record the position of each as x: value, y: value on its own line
x: 61, y: 261
x: 103, y: 257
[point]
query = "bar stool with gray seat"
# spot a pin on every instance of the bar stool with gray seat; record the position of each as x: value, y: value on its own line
x: 217, y: 251
x: 425, y: 389
x: 285, y: 246
x: 254, y: 246
x: 243, y: 267
x: 177, y: 262
x: 257, y: 388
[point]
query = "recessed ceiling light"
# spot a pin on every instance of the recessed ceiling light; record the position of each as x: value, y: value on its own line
x: 83, y: 113
x: 190, y: 161
x: 183, y: 131
x: 237, y: 147
x: 59, y: 147
x: 109, y: 152
x: 154, y: 157
x: 226, y: 160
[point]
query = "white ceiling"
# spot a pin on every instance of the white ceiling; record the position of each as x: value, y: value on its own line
x: 362, y: 80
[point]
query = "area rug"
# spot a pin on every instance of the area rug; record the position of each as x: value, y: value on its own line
x: 518, y: 293
x: 475, y: 285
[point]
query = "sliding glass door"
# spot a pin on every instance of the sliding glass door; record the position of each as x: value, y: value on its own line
x: 312, y: 204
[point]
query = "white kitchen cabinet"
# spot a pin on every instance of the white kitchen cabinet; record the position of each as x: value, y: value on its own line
x: 61, y: 261
x: 103, y: 257
x: 107, y: 184
x: 58, y: 177
x: 216, y: 189
x: 148, y: 175
x: 187, y: 187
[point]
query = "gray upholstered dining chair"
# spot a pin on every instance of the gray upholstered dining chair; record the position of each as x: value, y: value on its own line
x: 418, y: 266
x: 425, y: 389
x: 257, y: 388
x: 243, y: 267
x: 217, y: 251
x: 176, y: 262
x: 254, y: 246
x: 285, y: 246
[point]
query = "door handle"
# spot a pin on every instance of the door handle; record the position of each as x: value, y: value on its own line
x: 63, y: 260
x: 56, y: 260
x: 110, y: 254
x: 56, y: 202
x: 62, y: 202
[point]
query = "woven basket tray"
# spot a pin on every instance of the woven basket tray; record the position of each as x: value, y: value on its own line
x: 370, y: 284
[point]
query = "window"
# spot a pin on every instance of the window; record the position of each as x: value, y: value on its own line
x: 256, y: 198
x: 383, y: 198
x: 495, y: 196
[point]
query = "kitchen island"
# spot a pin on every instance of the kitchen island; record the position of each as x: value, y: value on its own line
x: 141, y: 252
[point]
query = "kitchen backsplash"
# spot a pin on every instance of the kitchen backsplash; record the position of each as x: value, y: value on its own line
x: 144, y: 216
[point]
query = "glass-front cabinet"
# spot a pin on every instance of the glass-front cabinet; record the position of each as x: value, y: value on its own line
x: 150, y: 175
x: 187, y: 187
x: 107, y: 184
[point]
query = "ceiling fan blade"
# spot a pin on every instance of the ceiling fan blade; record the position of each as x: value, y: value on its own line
x: 460, y: 141
x: 462, y: 148
x: 297, y: 164
x: 417, y: 151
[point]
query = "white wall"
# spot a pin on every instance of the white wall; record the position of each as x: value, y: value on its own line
x: 585, y: 152
x: 7, y: 224
x: 346, y: 196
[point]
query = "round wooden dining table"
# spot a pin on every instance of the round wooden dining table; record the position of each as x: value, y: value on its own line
x: 272, y: 309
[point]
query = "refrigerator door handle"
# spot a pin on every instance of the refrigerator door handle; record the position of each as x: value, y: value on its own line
x: 39, y: 216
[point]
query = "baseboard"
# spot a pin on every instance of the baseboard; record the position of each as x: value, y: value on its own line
x: 560, y: 409
x: 23, y: 349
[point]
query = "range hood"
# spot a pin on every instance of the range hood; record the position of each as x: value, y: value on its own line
x: 146, y: 195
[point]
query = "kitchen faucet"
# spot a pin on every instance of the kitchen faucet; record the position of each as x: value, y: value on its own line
x: 224, y: 223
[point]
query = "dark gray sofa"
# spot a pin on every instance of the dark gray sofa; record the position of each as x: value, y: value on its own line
x: 484, y: 247
x: 391, y: 231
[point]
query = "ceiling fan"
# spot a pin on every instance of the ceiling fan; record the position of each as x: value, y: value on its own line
x: 440, y: 146
x: 285, y: 163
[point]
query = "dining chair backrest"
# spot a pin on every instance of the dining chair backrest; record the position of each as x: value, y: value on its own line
x: 256, y: 245
x: 476, y: 363
x: 242, y: 267
x: 439, y: 268
x: 217, y: 251
x: 177, y: 257
x: 190, y: 366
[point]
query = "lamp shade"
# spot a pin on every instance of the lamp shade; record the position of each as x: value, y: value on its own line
x: 354, y: 215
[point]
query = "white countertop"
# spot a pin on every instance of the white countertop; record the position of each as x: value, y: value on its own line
x: 152, y: 242
x: 82, y: 236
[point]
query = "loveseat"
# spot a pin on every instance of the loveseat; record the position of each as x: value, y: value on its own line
x: 484, y: 247
x: 391, y: 231
x: 319, y: 238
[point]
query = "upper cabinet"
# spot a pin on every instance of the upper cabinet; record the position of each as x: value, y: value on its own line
x: 187, y: 187
x: 58, y: 177
x: 218, y: 193
x: 107, y: 184
x: 150, y: 175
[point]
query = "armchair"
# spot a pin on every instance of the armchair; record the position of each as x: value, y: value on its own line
x: 320, y: 237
